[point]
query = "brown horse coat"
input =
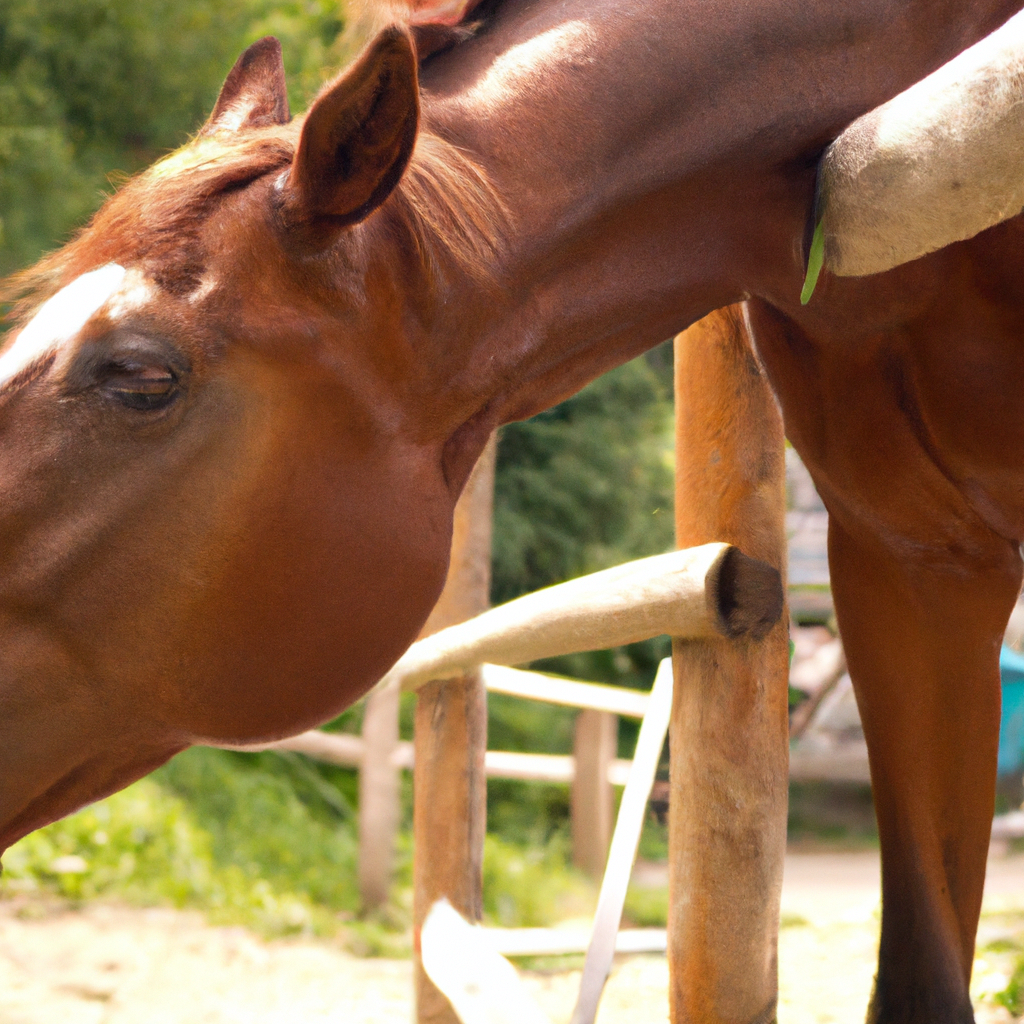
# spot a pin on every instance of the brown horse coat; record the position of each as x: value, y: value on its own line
x: 231, y: 443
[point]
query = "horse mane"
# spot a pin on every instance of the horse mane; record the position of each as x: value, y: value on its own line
x: 449, y: 208
x: 433, y: 23
x: 444, y: 204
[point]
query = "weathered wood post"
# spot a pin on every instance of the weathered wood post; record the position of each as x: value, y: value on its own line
x: 593, y: 802
x: 379, y: 797
x: 450, y: 811
x: 729, y: 734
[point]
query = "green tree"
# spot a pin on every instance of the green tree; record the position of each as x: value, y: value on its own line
x: 586, y: 484
x: 100, y: 88
x: 583, y: 486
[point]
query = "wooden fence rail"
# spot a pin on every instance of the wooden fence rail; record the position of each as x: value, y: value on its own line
x: 706, y: 592
x: 349, y: 751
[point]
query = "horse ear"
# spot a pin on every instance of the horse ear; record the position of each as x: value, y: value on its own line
x: 254, y: 94
x: 356, y: 141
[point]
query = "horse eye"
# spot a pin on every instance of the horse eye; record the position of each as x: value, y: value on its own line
x: 144, y: 389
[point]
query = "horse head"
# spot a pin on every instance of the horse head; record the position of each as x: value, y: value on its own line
x: 220, y: 524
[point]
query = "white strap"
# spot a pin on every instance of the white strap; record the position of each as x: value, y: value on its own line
x: 628, y: 825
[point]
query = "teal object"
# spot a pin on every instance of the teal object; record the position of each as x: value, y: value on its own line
x: 1011, y: 724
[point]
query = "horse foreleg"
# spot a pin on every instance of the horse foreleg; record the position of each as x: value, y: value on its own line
x: 922, y: 636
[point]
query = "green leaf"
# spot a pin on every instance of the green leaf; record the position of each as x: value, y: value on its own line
x: 814, y: 263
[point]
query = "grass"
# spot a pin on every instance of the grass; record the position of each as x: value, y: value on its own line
x: 793, y: 921
x: 532, y: 887
x: 246, y: 845
x: 646, y: 907
x: 1012, y: 997
x: 269, y: 843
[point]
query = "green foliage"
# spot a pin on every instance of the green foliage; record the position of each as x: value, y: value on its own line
x: 103, y: 86
x: 584, y: 485
x: 43, y: 189
x: 527, y: 812
x: 1002, y: 945
x: 646, y: 907
x: 529, y: 725
x: 314, y: 46
x: 793, y: 921
x: 532, y: 886
x: 1012, y: 997
x: 245, y: 843
x: 653, y: 839
x: 270, y: 819
x: 142, y: 843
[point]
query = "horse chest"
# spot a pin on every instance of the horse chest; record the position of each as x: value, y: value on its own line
x: 902, y: 391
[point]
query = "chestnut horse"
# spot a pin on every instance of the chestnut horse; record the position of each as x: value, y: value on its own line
x: 243, y: 402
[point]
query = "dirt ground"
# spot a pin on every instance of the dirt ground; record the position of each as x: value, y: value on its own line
x: 118, y: 965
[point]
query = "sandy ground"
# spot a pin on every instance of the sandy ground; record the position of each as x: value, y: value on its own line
x: 117, y: 965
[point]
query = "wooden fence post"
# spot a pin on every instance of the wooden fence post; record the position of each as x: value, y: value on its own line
x: 449, y: 784
x: 729, y: 732
x: 379, y: 797
x: 594, y: 750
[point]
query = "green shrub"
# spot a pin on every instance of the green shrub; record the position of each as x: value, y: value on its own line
x: 98, y: 87
x: 1012, y: 997
x: 141, y: 843
x: 232, y: 839
x: 647, y: 907
x: 531, y: 887
x: 586, y: 484
x: 269, y: 823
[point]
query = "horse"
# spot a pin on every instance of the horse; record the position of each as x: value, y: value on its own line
x: 241, y: 404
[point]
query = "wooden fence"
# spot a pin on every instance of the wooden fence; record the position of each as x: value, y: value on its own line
x: 711, y: 590
x: 729, y: 719
x: 592, y: 770
x: 721, y: 600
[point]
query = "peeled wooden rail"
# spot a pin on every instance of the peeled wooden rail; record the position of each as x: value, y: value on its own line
x: 572, y: 693
x: 347, y: 751
x: 938, y: 163
x: 705, y: 592
x: 849, y: 764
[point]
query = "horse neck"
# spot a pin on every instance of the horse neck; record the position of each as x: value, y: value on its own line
x: 658, y: 161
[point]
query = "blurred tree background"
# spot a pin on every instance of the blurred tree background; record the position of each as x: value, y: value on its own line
x: 94, y: 90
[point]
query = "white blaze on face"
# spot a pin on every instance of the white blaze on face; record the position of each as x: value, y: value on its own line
x: 61, y: 317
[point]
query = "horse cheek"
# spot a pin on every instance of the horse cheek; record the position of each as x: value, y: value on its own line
x: 336, y: 575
